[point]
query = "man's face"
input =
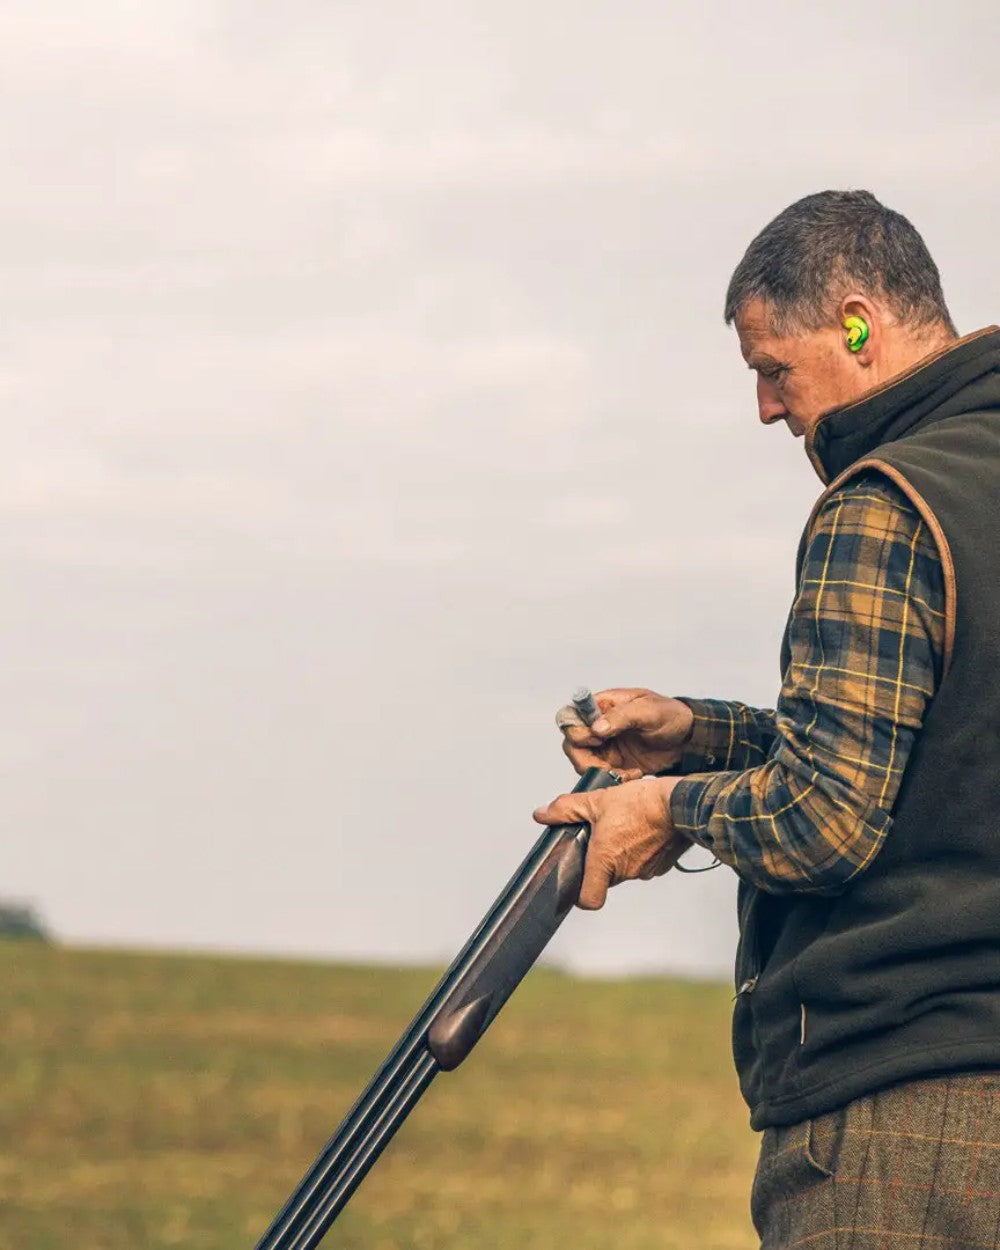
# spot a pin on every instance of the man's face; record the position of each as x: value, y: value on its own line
x: 799, y: 376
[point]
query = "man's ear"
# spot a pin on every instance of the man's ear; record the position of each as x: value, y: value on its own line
x: 861, y: 325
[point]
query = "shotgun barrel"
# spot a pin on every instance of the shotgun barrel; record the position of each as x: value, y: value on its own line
x: 466, y: 1000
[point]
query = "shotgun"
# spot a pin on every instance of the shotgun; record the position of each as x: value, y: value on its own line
x: 463, y: 1005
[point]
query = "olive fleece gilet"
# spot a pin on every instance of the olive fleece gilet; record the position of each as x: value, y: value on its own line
x: 898, y: 976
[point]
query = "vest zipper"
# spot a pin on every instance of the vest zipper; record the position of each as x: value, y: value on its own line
x: 751, y: 961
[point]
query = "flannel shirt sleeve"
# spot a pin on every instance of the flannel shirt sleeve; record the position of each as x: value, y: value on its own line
x: 725, y: 735
x: 866, y: 638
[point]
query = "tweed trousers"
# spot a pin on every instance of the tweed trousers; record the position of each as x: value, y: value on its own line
x: 915, y: 1165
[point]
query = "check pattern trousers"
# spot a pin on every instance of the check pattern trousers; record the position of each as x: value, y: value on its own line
x: 915, y: 1165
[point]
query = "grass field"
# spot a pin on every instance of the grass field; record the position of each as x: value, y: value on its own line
x: 151, y: 1101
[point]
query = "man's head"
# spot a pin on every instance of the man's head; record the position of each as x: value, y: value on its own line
x: 825, y: 259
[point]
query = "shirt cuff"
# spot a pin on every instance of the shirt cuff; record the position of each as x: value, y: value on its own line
x: 703, y: 749
x: 692, y: 802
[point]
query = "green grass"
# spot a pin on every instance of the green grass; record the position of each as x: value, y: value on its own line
x: 151, y: 1101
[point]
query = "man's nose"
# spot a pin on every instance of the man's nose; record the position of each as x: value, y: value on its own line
x: 769, y: 406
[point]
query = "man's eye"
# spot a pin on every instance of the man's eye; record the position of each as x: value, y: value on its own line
x: 775, y: 375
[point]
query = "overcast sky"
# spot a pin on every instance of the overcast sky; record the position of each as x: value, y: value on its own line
x: 365, y: 390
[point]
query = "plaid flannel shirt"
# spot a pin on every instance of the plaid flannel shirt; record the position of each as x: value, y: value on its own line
x: 800, y: 798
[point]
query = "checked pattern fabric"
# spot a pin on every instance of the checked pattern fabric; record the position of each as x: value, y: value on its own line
x: 913, y: 1167
x: 800, y: 798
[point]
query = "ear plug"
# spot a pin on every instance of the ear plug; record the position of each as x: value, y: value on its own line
x: 857, y: 332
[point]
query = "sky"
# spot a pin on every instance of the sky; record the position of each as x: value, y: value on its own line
x: 365, y: 390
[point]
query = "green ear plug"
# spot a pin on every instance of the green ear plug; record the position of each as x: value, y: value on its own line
x: 857, y: 332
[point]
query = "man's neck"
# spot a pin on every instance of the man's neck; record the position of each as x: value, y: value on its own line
x: 906, y: 350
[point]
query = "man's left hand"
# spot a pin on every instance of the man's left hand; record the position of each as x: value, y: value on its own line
x: 631, y: 833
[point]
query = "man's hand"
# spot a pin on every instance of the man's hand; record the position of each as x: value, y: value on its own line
x: 637, y: 732
x: 631, y: 833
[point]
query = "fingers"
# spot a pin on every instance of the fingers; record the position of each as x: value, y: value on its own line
x: 599, y: 873
x: 580, y: 735
x: 568, y: 717
x: 573, y: 728
x: 597, y: 880
x: 621, y: 708
x: 578, y: 809
x: 579, y: 743
x: 582, y: 759
x: 631, y: 835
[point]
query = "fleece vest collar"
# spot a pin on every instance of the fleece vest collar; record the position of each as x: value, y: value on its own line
x: 940, y: 385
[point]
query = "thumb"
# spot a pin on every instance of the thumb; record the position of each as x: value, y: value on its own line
x: 639, y: 713
x: 568, y: 809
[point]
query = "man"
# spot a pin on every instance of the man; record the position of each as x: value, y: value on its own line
x: 862, y: 815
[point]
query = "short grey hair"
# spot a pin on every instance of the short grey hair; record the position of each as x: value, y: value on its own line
x: 823, y: 246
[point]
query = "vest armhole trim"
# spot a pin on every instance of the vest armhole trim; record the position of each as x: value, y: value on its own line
x: 929, y: 519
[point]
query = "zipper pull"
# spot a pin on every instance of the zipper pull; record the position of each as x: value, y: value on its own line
x: 748, y: 986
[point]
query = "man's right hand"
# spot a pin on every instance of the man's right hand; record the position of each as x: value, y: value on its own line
x: 637, y: 732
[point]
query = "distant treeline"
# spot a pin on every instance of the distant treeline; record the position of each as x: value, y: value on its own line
x: 20, y: 920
